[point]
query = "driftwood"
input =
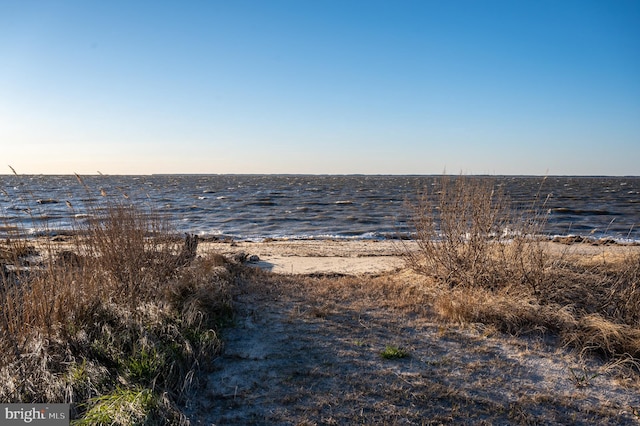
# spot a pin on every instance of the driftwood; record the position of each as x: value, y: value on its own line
x: 189, y: 250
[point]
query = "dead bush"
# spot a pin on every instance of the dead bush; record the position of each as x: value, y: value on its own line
x: 469, y: 234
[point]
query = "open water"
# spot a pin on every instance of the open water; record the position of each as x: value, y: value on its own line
x: 255, y: 207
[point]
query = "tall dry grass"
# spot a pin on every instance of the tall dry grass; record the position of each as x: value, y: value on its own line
x: 491, y: 264
x: 122, y: 309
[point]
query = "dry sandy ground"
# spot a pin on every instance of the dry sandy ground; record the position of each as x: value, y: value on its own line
x: 318, y: 256
x: 307, y: 350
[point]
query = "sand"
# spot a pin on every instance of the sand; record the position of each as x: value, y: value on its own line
x: 307, y: 350
x: 349, y: 257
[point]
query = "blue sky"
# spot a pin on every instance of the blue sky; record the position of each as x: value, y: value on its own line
x: 398, y: 87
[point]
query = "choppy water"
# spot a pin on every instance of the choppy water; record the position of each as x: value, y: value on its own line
x: 304, y: 206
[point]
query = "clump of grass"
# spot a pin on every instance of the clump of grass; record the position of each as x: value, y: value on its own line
x: 582, y: 378
x: 393, y: 352
x: 490, y: 265
x: 117, y: 322
x: 123, y: 406
x: 145, y: 365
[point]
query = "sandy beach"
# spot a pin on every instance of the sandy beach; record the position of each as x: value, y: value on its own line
x: 353, y: 257
x: 349, y: 257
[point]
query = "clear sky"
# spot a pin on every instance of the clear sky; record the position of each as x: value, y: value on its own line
x: 320, y: 86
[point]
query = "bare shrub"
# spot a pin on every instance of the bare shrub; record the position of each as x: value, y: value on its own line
x: 469, y: 234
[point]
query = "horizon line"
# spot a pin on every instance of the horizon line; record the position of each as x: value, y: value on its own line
x: 318, y: 174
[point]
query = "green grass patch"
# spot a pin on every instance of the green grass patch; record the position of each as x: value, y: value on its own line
x: 393, y: 352
x: 123, y: 406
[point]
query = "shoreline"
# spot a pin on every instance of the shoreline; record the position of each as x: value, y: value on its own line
x: 354, y: 257
x: 349, y: 256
